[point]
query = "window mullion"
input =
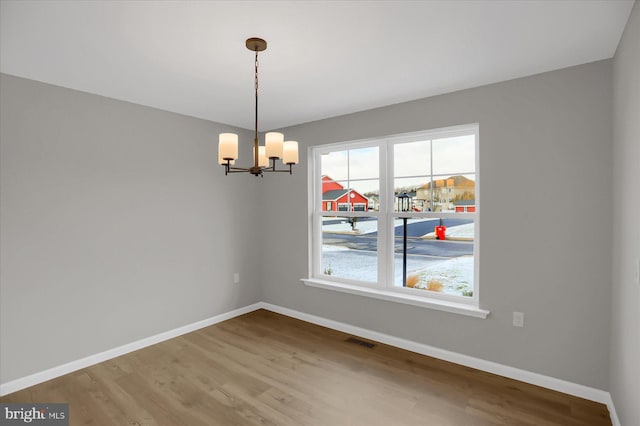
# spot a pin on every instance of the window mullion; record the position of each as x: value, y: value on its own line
x: 387, y: 252
x: 317, y: 216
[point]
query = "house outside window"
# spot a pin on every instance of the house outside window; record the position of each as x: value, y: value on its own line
x: 347, y: 199
x: 430, y: 250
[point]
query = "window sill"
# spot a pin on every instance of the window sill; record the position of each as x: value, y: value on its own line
x: 440, y: 305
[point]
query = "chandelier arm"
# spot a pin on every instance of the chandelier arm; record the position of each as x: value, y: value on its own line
x: 290, y: 170
x: 272, y: 168
x: 228, y: 168
x: 239, y: 170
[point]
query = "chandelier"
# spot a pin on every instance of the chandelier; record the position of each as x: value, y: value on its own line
x: 264, y: 157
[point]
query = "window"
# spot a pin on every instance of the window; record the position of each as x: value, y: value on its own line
x: 407, y: 215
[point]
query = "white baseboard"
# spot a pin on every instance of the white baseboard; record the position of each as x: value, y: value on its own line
x: 615, y: 421
x: 52, y: 373
x: 559, y: 385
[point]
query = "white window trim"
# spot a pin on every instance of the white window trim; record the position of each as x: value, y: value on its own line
x: 443, y: 302
x: 392, y: 296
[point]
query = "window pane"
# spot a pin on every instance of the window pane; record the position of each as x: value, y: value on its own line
x: 335, y: 165
x: 361, y: 196
x: 455, y: 193
x: 438, y: 256
x: 360, y: 163
x: 364, y: 163
x: 411, y: 159
x: 407, y: 192
x: 463, y: 194
x: 365, y: 191
x: 350, y: 248
x: 454, y: 155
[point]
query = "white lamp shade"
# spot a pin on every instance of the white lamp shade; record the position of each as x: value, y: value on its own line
x: 273, y: 142
x: 227, y: 146
x: 290, y: 152
x: 263, y: 161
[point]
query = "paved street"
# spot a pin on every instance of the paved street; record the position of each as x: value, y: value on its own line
x: 418, y: 229
x: 415, y: 246
x: 415, y: 229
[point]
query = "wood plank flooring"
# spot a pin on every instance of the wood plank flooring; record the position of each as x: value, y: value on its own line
x: 263, y: 368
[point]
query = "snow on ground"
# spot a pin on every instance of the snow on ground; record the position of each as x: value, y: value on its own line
x: 455, y: 274
x: 351, y: 264
x: 460, y: 232
x: 362, y: 227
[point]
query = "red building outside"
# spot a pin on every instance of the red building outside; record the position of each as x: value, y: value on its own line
x: 336, y: 198
x: 465, y: 206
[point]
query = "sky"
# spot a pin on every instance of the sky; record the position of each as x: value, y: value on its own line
x: 412, y: 162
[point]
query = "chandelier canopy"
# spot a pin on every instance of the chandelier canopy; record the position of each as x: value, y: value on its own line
x: 264, y: 157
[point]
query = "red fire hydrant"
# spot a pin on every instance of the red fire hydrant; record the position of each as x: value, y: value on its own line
x: 441, y: 232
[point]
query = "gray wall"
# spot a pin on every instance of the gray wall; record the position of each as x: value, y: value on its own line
x: 625, y: 335
x: 545, y: 170
x: 116, y: 224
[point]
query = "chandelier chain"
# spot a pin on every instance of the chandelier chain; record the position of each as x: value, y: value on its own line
x: 256, y: 74
x: 255, y: 140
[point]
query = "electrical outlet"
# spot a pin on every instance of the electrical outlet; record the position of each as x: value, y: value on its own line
x: 236, y: 277
x: 518, y: 319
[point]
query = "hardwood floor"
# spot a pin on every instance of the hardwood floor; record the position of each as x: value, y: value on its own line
x: 263, y: 368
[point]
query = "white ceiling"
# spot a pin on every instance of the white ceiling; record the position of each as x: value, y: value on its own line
x: 325, y: 58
